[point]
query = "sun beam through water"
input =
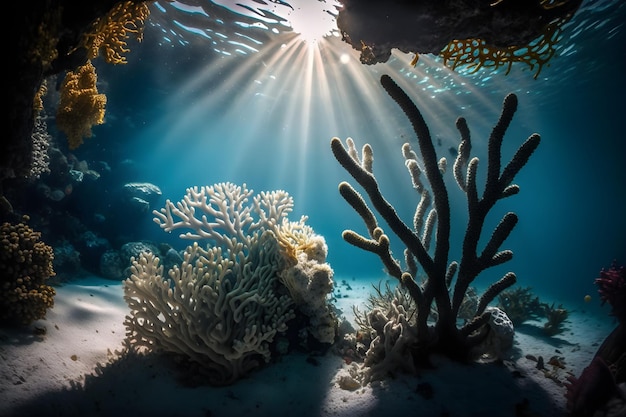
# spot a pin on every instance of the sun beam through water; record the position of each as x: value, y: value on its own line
x: 279, y: 84
x: 277, y: 108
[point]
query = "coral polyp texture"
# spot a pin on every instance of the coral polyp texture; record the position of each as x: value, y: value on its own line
x: 25, y: 266
x: 474, y: 54
x: 399, y: 342
x: 110, y: 32
x: 80, y: 106
x: 225, y: 306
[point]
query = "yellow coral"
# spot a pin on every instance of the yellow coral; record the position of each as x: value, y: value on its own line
x: 80, y: 105
x: 25, y: 265
x: 110, y: 32
x: 295, y: 238
x: 476, y: 53
x: 38, y: 99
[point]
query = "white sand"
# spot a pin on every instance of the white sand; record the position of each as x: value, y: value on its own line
x: 58, y: 374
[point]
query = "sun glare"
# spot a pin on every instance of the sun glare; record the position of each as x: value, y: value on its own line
x: 278, y: 108
x: 313, y: 20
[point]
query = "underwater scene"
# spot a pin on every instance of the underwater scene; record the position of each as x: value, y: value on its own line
x: 314, y: 208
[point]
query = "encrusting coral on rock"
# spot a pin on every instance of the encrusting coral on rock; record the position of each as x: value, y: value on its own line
x: 224, y: 307
x: 400, y: 344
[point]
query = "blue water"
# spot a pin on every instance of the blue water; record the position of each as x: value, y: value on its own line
x: 193, y: 109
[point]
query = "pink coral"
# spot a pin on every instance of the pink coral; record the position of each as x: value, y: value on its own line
x: 612, y: 289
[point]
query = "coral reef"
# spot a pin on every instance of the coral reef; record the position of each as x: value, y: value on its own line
x: 49, y: 39
x: 400, y: 343
x: 80, y: 106
x: 224, y: 307
x: 25, y: 266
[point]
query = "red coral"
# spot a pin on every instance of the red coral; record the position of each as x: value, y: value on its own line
x: 612, y: 289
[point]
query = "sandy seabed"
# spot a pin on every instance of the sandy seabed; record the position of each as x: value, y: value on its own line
x: 66, y: 365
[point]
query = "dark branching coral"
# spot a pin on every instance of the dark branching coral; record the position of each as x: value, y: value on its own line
x: 25, y: 265
x: 443, y: 336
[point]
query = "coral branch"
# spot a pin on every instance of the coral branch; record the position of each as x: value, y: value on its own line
x: 223, y: 306
x: 432, y: 219
x: 431, y: 166
x: 359, y: 205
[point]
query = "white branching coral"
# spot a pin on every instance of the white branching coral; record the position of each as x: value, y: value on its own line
x: 219, y: 309
x: 224, y: 305
x: 391, y: 349
x: 222, y: 213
